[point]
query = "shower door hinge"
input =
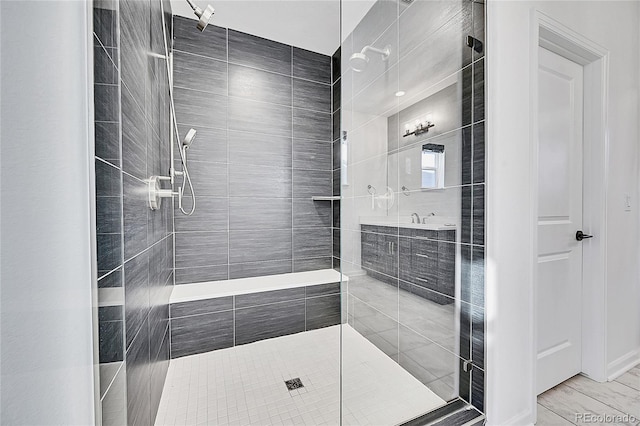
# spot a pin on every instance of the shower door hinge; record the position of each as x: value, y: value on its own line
x: 475, y: 44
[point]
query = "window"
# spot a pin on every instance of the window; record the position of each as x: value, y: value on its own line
x: 432, y: 166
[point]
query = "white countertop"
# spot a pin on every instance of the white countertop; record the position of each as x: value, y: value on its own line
x: 211, y: 289
x: 388, y: 221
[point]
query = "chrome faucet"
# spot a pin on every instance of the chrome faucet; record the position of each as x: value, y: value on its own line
x: 424, y: 219
x: 415, y: 216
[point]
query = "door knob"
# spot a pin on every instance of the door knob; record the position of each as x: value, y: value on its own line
x: 581, y: 236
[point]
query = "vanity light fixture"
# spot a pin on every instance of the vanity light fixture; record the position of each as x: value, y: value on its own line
x: 419, y: 127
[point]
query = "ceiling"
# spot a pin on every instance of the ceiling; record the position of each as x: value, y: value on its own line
x: 309, y: 24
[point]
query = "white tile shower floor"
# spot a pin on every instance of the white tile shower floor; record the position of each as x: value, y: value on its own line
x: 244, y: 385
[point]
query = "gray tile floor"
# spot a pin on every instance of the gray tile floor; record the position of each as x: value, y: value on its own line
x: 417, y: 333
x: 560, y: 405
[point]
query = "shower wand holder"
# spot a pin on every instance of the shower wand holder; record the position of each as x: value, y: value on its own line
x: 156, y: 193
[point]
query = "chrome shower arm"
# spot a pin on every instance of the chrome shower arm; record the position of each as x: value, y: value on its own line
x: 383, y: 52
x: 194, y: 6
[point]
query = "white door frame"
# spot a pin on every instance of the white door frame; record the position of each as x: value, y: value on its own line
x: 554, y: 36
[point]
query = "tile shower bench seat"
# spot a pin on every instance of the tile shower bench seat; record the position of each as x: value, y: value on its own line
x: 220, y: 314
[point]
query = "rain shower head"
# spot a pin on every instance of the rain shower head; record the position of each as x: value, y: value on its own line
x: 203, y: 15
x: 359, y: 61
x: 188, y: 139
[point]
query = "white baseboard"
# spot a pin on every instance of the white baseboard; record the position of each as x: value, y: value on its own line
x: 521, y: 419
x: 623, y: 364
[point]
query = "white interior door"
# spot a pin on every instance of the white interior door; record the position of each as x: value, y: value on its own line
x: 559, y: 287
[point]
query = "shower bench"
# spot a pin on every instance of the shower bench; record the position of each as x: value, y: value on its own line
x: 220, y: 314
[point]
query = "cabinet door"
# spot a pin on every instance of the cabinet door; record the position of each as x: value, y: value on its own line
x: 369, y: 250
x: 388, y: 254
x: 447, y: 268
x: 424, y: 263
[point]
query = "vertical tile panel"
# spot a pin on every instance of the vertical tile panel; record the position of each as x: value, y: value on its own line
x: 107, y: 138
x: 312, y: 125
x: 311, y: 65
x: 308, y: 154
x: 312, y: 242
x: 263, y: 322
x: 258, y: 269
x: 135, y: 216
x: 311, y: 95
x: 246, y: 148
x: 478, y: 215
x: 478, y: 91
x: 257, y: 246
x: 258, y: 52
x: 201, y: 249
x: 138, y: 379
x: 136, y: 295
x: 308, y: 213
x: 134, y: 137
x: 187, y: 38
x: 196, y: 108
x: 477, y: 389
x: 199, y: 73
x: 249, y: 213
x: 258, y: 85
x: 477, y: 336
x: 309, y: 183
x: 322, y: 311
x: 201, y: 333
x: 209, y: 145
x: 108, y: 217
x: 335, y: 65
x: 478, y: 152
x: 477, y: 276
x: 313, y: 264
x: 248, y: 115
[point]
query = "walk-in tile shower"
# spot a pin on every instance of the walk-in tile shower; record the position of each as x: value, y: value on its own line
x: 332, y: 268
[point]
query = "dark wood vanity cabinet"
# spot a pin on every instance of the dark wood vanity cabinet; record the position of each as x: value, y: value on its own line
x: 422, y: 259
x: 380, y: 251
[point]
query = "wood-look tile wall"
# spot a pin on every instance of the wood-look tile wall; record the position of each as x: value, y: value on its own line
x: 134, y: 244
x: 262, y: 110
x: 218, y: 323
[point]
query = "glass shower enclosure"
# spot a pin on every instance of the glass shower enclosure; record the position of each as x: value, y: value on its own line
x: 332, y: 271
x: 411, y: 137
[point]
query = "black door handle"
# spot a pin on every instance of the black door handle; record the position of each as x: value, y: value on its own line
x: 581, y: 236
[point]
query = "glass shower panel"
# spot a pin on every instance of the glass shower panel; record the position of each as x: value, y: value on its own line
x: 412, y: 84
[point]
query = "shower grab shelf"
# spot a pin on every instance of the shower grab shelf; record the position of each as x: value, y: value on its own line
x: 322, y: 198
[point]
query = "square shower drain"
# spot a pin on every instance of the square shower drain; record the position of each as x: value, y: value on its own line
x: 294, y: 384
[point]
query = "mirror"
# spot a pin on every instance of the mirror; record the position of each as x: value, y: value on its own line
x: 424, y: 145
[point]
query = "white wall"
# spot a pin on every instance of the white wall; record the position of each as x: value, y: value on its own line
x: 46, y: 294
x: 613, y: 25
x: 309, y: 24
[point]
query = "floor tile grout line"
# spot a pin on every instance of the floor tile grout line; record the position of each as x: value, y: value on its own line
x: 557, y: 414
x: 565, y: 383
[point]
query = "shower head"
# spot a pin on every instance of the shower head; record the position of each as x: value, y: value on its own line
x: 188, y: 139
x: 203, y: 15
x: 360, y: 60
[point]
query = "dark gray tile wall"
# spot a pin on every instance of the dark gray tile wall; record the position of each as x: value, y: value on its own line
x: 206, y: 325
x: 262, y: 110
x: 336, y: 86
x: 135, y: 244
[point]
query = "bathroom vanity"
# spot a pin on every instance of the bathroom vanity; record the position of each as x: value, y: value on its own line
x: 421, y: 256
